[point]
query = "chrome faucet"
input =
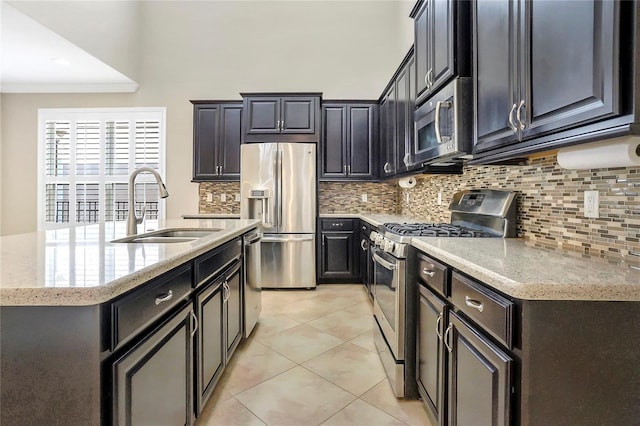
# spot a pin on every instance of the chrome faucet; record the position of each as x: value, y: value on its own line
x: 132, y: 219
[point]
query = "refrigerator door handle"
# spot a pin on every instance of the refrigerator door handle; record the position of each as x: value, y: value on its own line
x: 265, y: 213
x: 279, y: 206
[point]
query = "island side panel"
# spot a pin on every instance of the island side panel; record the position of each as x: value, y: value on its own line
x: 50, y: 365
x: 580, y: 362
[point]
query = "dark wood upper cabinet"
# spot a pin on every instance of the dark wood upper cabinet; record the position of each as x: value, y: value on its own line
x: 441, y: 44
x: 542, y: 68
x: 217, y: 130
x: 388, y: 134
x: 279, y: 117
x: 349, y: 134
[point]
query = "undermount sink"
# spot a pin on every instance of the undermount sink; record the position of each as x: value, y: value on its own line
x: 169, y: 236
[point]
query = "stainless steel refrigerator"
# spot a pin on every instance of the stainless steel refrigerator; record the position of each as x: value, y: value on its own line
x: 278, y: 186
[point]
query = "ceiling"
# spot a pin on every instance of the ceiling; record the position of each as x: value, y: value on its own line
x: 27, y: 53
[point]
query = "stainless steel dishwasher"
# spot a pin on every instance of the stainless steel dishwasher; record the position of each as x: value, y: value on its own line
x: 252, y: 281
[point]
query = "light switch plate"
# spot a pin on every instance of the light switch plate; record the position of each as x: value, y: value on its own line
x: 439, y: 198
x: 364, y: 198
x: 591, y: 204
x: 209, y: 196
x: 223, y: 197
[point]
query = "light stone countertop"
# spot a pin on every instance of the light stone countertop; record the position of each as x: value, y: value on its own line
x: 374, y: 219
x: 521, y: 270
x: 81, y: 266
x: 211, y: 216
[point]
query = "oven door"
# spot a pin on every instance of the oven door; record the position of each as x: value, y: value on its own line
x: 388, y: 299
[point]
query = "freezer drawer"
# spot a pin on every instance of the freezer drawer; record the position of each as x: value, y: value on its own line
x: 288, y: 261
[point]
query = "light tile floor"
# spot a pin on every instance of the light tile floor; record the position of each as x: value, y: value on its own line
x: 310, y: 361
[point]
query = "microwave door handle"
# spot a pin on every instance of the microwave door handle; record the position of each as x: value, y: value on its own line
x: 439, y: 106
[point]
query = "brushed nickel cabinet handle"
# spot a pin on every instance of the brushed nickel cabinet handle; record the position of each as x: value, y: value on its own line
x: 473, y: 303
x: 165, y: 298
x: 428, y: 272
x: 511, y: 122
x: 438, y: 321
x: 194, y: 323
x: 523, y: 125
x: 446, y: 338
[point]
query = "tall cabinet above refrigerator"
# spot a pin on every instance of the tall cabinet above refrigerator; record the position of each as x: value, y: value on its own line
x: 278, y: 187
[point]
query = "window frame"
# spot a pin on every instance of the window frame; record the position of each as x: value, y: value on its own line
x: 103, y: 115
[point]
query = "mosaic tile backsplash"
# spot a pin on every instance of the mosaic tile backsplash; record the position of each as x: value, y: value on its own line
x: 550, y: 201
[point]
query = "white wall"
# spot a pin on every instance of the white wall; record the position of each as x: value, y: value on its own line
x: 214, y: 50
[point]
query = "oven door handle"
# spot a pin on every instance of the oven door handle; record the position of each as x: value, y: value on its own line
x: 388, y: 265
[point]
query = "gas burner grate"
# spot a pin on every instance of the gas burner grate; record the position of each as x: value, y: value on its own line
x: 434, y: 230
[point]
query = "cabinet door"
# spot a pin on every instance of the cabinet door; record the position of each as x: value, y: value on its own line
x: 338, y: 255
x: 233, y: 312
x: 262, y: 115
x: 479, y: 378
x: 334, y: 143
x: 209, y: 343
x: 361, y: 136
x: 388, y: 157
x: 441, y: 35
x: 298, y: 115
x: 163, y: 357
x: 404, y: 118
x: 495, y: 69
x: 205, y: 142
x: 229, y: 141
x: 572, y: 81
x: 422, y: 49
x: 431, y: 372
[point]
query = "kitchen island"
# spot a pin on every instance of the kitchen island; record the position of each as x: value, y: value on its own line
x: 100, y: 332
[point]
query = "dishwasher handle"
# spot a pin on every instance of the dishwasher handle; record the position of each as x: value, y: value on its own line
x: 252, y: 239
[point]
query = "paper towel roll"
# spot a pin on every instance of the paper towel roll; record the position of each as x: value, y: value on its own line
x: 618, y: 152
x: 407, y: 183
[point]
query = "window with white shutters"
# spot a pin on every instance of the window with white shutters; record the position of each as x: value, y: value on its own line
x: 86, y: 158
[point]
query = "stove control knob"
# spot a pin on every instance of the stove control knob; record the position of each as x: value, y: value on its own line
x: 389, y: 246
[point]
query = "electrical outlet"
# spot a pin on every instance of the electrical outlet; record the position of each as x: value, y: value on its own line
x: 439, y: 198
x: 223, y: 197
x: 209, y: 196
x: 591, y: 204
x: 364, y: 198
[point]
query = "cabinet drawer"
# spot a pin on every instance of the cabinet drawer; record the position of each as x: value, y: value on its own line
x: 433, y: 273
x: 140, y: 308
x: 484, y: 306
x: 209, y: 264
x: 337, y: 224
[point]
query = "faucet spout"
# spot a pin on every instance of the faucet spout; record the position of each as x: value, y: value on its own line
x: 132, y: 219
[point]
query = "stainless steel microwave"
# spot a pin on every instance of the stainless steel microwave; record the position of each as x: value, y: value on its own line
x: 444, y: 126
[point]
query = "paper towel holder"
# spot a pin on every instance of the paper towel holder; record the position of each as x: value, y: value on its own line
x: 617, y: 152
x: 407, y: 183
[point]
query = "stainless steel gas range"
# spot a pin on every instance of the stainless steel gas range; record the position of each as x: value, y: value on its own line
x: 481, y: 213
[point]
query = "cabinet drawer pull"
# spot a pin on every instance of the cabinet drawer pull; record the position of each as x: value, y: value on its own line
x: 446, y: 338
x: 165, y: 298
x: 473, y: 303
x: 438, y: 326
x: 363, y: 244
x: 428, y: 272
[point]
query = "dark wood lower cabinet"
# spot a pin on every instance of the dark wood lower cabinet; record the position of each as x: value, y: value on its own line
x: 209, y: 343
x: 233, y: 309
x: 479, y: 378
x: 431, y: 368
x: 152, y: 381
